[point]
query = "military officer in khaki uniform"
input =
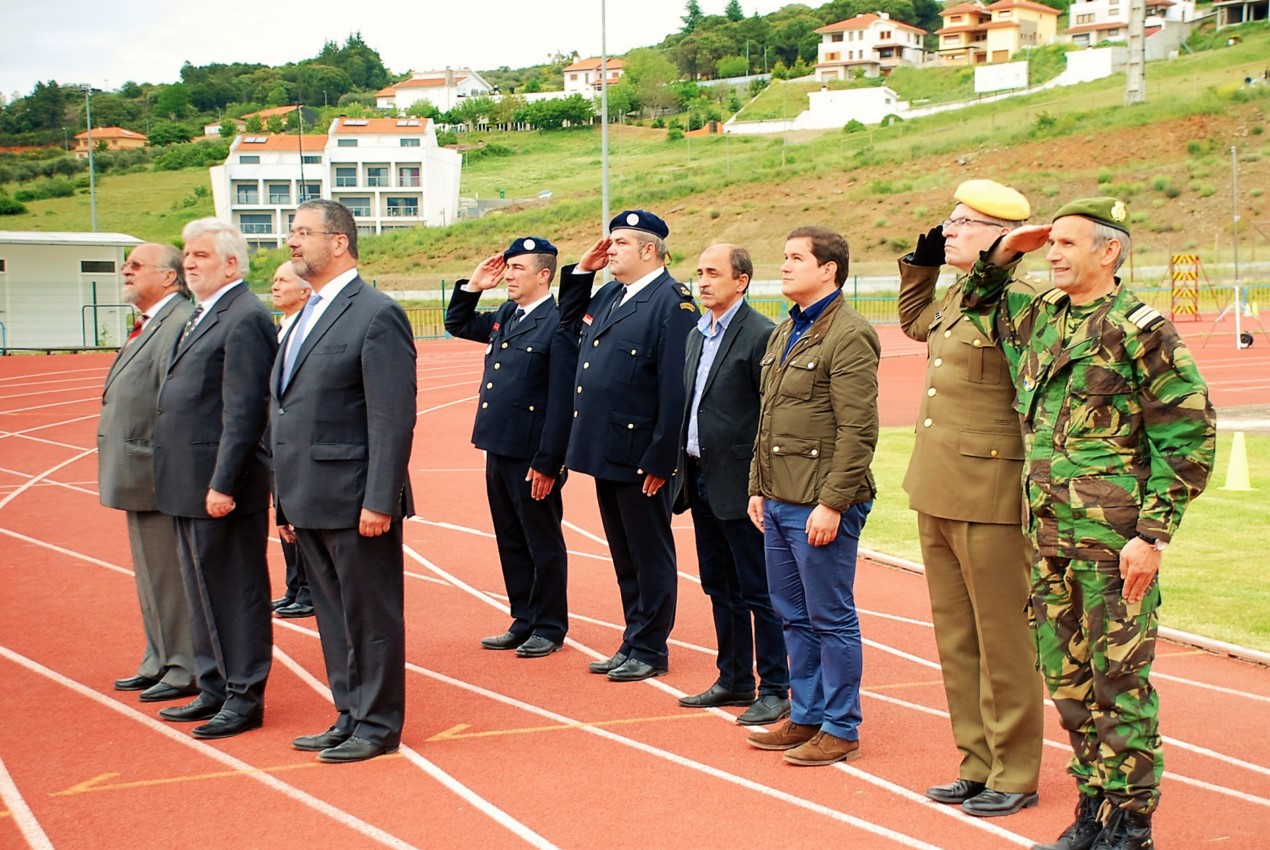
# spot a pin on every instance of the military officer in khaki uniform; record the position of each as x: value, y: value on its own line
x: 964, y: 482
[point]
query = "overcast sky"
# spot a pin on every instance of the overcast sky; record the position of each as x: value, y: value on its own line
x: 108, y: 44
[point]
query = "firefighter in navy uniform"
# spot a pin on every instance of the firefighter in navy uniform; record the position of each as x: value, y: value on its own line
x: 522, y: 423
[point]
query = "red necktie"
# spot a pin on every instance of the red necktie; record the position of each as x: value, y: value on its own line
x: 136, y: 329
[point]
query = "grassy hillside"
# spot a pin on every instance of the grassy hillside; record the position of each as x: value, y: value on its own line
x: 1169, y: 158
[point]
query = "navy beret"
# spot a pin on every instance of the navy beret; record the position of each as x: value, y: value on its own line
x: 530, y: 245
x: 640, y: 220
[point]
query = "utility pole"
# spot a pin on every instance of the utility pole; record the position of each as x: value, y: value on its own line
x: 604, y: 117
x: 1135, y: 73
x: 92, y: 175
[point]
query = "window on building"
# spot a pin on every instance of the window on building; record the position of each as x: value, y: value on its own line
x: 309, y: 191
x: 247, y: 193
x: 837, y: 36
x: 884, y: 35
x: 346, y: 175
x: 411, y: 143
x: 279, y: 193
x: 346, y: 143
x: 408, y: 175
x: 311, y: 159
x: 1112, y: 11
x: 96, y: 266
x: 832, y: 57
x: 1, y: 266
x: 403, y: 207
x: 1004, y: 13
x: 1084, y: 19
x: 357, y: 206
x: 377, y: 175
x: 249, y: 159
x: 256, y: 222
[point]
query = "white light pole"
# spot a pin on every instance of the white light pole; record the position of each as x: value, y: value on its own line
x: 604, y: 117
x: 92, y: 174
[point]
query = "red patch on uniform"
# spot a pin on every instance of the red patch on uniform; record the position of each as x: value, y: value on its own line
x: 496, y: 327
x: 586, y: 320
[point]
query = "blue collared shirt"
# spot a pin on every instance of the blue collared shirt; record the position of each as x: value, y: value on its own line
x: 804, y: 319
x: 713, y: 332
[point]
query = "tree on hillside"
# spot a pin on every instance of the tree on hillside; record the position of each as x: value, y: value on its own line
x: 362, y: 63
x: 692, y: 16
x: 650, y: 75
x: 274, y: 125
x: 734, y: 12
x: 793, y: 34
x: 254, y: 124
x: 172, y: 101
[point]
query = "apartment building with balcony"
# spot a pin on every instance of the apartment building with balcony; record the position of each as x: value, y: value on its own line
x: 389, y: 172
x: 870, y: 44
x: 1096, y: 21
x: 974, y: 34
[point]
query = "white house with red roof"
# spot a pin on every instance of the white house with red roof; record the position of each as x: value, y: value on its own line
x: 1096, y: 21
x: 869, y: 45
x: 443, y: 89
x: 583, y: 76
x: 389, y: 172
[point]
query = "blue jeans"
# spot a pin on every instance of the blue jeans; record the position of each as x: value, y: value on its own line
x: 812, y: 589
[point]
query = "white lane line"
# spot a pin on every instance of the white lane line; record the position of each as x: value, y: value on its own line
x: 25, y: 435
x: 573, y: 553
x: 68, y: 552
x: 435, y: 408
x: 27, y: 823
x: 675, y: 758
x: 46, y: 406
x: 36, y: 479
x: 58, y: 424
x: 49, y: 482
x: 41, y: 376
x: 249, y: 771
x: 411, y: 755
x: 45, y: 391
x: 1218, y: 688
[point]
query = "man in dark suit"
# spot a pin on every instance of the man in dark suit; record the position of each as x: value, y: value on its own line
x: 343, y: 416
x: 154, y: 284
x: 628, y: 411
x: 721, y: 379
x: 211, y: 473
x: 522, y: 423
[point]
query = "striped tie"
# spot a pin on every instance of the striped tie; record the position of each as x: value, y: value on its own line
x: 189, y: 326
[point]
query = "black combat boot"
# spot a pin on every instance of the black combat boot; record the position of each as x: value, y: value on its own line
x: 1082, y: 834
x: 1126, y: 830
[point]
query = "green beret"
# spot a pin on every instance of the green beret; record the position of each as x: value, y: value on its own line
x: 1108, y: 211
x: 991, y: 198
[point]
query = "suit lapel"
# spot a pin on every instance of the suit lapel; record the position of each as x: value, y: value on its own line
x: 328, y: 318
x: 729, y: 336
x: 208, y: 321
x: 628, y: 308
x: 129, y: 352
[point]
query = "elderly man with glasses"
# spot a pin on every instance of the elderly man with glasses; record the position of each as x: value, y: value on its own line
x: 964, y: 482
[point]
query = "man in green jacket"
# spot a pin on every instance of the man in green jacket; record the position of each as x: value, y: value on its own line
x: 1119, y: 438
x: 811, y: 490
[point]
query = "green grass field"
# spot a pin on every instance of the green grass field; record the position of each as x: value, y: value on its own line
x: 1213, y: 576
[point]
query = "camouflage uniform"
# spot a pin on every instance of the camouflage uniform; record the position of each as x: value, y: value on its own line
x: 1119, y: 437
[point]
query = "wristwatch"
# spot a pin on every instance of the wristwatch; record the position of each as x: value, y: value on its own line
x: 1156, y: 543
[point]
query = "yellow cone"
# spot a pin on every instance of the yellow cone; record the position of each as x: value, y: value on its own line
x: 1237, y: 469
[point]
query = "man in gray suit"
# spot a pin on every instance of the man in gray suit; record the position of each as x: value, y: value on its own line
x: 211, y: 473
x: 154, y: 284
x: 721, y: 376
x: 343, y: 417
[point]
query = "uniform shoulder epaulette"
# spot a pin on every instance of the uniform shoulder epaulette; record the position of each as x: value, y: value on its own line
x: 1055, y: 296
x: 684, y: 291
x: 1030, y: 284
x: 1145, y: 317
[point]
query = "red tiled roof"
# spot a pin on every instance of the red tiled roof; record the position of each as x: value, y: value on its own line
x: 864, y: 21
x: 961, y: 8
x: 593, y: 64
x: 281, y: 142
x: 1002, y: 5
x: 266, y: 114
x: 381, y: 126
x: 112, y: 133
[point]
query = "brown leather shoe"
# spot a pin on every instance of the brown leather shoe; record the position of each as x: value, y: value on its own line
x: 824, y: 748
x: 786, y: 737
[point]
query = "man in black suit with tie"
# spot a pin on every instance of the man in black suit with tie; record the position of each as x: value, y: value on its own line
x: 211, y: 473
x: 721, y: 376
x: 628, y: 411
x: 154, y: 284
x: 343, y: 417
x: 522, y: 422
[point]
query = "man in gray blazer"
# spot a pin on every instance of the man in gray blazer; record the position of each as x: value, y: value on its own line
x: 721, y: 378
x: 154, y: 284
x: 343, y: 417
x: 211, y: 473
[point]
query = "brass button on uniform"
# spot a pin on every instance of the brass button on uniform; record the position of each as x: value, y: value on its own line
x: 484, y: 405
x: 595, y: 344
x: 815, y: 452
x: 947, y: 334
x: 531, y: 408
x: 939, y: 361
x: 931, y: 392
x: 994, y: 452
x: 504, y: 345
x: 928, y: 422
x: 498, y: 365
x: 529, y: 348
x: 490, y: 385
x: 579, y: 390
x: 976, y: 343
x: 586, y: 365
x: 630, y: 426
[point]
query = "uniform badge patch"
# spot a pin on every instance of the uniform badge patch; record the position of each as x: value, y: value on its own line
x: 586, y: 320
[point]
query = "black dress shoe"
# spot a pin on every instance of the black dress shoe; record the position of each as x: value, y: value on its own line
x: 162, y: 692
x: 994, y: 804
x: 203, y: 708
x: 955, y: 792
x: 332, y: 737
x: 135, y: 683
x: 226, y: 724
x: 281, y: 602
x: 635, y: 670
x: 537, y: 646
x: 507, y: 640
x: 355, y: 749
x: 294, y: 611
x: 607, y: 664
x: 716, y: 696
x: 769, y: 709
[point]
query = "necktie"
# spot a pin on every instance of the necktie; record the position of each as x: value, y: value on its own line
x: 617, y: 302
x: 189, y: 326
x: 136, y: 329
x: 297, y: 338
x: 516, y: 317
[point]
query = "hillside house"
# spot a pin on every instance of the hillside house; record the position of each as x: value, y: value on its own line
x: 389, y: 172
x: 974, y: 34
x: 583, y: 76
x: 443, y: 89
x: 1096, y: 21
x: 869, y: 44
x: 114, y: 138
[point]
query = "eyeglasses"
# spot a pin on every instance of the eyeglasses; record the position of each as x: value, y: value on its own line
x: 958, y: 223
x: 305, y: 233
x: 133, y: 265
